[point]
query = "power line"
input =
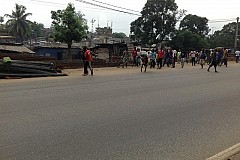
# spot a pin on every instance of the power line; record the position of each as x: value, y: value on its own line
x: 115, y: 6
x: 47, y: 2
x: 59, y: 4
x: 103, y: 9
x: 40, y: 2
x: 97, y: 5
x: 221, y: 20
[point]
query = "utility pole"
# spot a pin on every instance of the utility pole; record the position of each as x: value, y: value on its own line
x: 1, y: 20
x: 236, y: 36
x: 93, y: 21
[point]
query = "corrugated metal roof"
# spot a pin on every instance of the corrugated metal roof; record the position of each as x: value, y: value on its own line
x: 3, y: 37
x: 19, y: 49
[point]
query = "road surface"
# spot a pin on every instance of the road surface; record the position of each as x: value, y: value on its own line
x: 168, y: 114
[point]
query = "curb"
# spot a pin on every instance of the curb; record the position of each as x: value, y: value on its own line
x: 226, y: 154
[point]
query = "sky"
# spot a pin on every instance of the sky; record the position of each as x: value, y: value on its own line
x: 217, y: 12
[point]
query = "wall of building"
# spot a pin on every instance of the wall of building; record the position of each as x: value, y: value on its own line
x: 58, y: 53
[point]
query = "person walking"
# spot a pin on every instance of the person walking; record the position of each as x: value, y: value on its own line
x: 160, y: 56
x: 152, y: 57
x: 144, y: 59
x: 88, y: 57
x: 179, y: 56
x: 202, y: 58
x: 237, y: 56
x: 193, y: 57
x: 166, y: 58
x: 134, y: 56
x: 213, y: 61
x: 125, y: 57
x: 174, y: 56
x: 224, y: 58
x: 183, y: 58
x: 85, y: 71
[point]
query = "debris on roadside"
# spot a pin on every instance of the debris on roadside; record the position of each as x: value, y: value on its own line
x: 27, y: 69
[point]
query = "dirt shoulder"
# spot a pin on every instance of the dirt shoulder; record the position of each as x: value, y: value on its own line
x: 109, y: 71
x: 103, y: 71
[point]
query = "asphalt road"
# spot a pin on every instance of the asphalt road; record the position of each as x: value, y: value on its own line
x: 169, y: 114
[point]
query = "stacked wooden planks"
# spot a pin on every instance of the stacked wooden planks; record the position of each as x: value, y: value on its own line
x: 24, y: 69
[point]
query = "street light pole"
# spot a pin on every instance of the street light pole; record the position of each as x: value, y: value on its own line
x: 236, y: 36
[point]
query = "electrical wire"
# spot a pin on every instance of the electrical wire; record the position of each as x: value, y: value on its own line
x: 102, y: 8
x: 97, y: 5
x: 40, y: 2
x: 116, y: 6
x: 221, y: 21
x: 60, y: 4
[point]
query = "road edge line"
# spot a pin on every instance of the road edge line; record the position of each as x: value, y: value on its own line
x: 226, y: 154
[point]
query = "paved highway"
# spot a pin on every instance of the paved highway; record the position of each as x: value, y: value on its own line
x: 169, y: 114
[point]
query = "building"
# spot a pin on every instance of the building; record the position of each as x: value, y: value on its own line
x: 110, y: 52
x: 57, y: 51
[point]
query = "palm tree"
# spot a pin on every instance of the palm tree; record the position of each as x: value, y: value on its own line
x: 19, y: 25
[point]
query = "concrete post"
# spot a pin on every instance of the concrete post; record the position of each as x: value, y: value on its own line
x: 236, y: 36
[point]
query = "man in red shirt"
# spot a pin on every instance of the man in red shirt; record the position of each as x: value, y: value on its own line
x: 160, y: 56
x: 88, y: 61
x: 134, y: 55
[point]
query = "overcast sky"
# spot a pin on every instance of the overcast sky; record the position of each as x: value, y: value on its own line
x: 214, y: 10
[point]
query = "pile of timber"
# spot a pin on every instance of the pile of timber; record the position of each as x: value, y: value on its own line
x: 26, y: 57
x: 27, y: 69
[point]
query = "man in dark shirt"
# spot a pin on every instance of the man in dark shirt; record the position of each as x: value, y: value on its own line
x: 213, y: 61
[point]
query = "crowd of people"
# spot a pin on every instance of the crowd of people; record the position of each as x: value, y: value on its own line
x: 158, y: 58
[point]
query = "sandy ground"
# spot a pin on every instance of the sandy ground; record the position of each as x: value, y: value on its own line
x: 107, y: 71
x: 77, y: 73
x: 119, y: 70
x: 101, y: 71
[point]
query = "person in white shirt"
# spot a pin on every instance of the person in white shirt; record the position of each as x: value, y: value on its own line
x: 237, y: 56
x: 193, y: 57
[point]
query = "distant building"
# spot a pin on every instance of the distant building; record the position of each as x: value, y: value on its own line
x: 7, y: 39
x: 58, y: 52
x: 8, y: 46
x: 104, y: 32
x: 110, y: 52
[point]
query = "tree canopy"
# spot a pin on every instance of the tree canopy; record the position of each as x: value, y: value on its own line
x: 157, y: 22
x: 69, y: 26
x: 224, y: 37
x: 195, y: 24
x: 119, y: 35
x: 18, y: 23
x: 37, y: 29
x: 187, y: 40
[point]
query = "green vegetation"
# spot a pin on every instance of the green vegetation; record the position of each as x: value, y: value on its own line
x: 158, y: 21
x: 119, y: 35
x: 18, y: 25
x: 161, y: 22
x: 69, y: 26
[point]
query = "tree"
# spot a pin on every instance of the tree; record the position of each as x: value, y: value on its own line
x: 157, y: 22
x: 119, y: 35
x: 19, y: 25
x: 195, y: 24
x: 224, y: 37
x: 37, y: 29
x: 187, y: 40
x: 69, y: 26
x: 3, y: 29
x: 136, y: 29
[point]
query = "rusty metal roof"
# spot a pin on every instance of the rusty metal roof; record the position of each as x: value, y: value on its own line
x: 16, y: 48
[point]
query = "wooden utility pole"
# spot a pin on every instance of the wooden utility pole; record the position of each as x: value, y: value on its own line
x: 236, y: 36
x: 1, y: 20
x: 93, y: 21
